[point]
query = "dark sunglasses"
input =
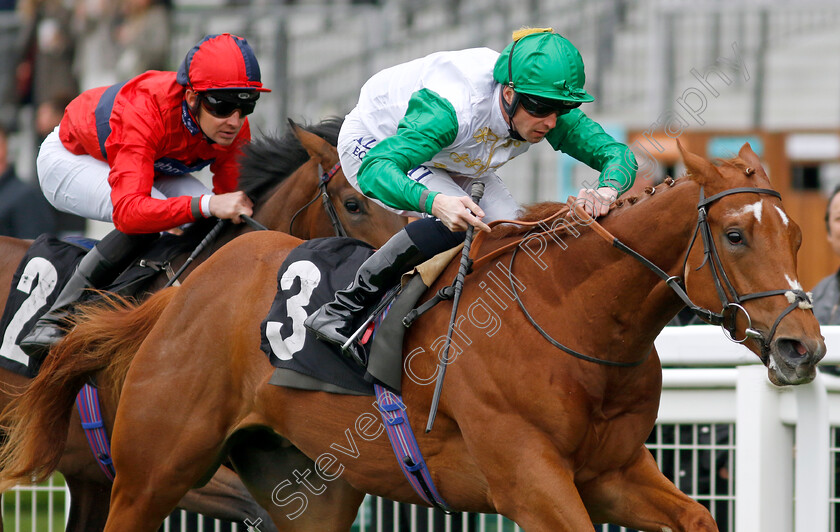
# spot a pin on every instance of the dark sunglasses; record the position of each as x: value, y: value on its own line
x: 222, y: 105
x: 541, y: 108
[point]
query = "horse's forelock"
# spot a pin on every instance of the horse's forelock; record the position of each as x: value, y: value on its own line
x: 744, y: 168
x: 269, y: 159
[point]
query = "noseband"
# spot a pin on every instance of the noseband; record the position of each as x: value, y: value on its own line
x: 325, y: 199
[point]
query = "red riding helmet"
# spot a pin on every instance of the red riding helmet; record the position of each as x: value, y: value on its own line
x: 221, y: 62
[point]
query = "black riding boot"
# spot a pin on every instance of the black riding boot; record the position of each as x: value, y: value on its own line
x: 97, y: 268
x: 334, y: 322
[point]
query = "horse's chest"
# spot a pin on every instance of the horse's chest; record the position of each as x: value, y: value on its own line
x: 614, y: 436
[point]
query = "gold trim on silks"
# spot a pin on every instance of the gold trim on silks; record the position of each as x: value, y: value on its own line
x: 469, y: 163
x: 483, y: 135
x: 439, y: 165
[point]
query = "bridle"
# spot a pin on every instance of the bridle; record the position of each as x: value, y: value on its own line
x: 729, y: 297
x: 731, y: 301
x: 325, y: 199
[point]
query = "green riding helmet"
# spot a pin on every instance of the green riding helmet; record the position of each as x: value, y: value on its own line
x: 543, y: 64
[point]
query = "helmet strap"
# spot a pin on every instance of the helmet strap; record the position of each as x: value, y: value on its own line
x: 510, y: 110
x: 194, y: 112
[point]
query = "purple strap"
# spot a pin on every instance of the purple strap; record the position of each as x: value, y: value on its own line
x: 88, y: 404
x: 405, y: 447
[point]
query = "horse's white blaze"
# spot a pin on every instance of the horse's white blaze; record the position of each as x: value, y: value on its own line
x: 794, y: 283
x: 785, y: 219
x: 755, y: 208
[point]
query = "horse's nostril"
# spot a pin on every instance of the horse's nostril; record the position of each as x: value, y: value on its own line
x: 793, y: 350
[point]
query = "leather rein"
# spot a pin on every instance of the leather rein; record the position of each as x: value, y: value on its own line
x: 325, y: 199
x: 731, y: 301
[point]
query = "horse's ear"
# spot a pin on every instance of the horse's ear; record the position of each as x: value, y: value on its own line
x: 701, y: 170
x: 315, y: 146
x: 749, y: 156
x: 752, y: 160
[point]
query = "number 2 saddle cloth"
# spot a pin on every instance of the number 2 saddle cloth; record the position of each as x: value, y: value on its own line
x: 48, y: 265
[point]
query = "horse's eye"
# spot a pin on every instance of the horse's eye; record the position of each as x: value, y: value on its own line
x: 353, y: 206
x: 735, y: 237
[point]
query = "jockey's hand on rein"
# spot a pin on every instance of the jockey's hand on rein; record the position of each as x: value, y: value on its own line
x: 231, y: 205
x: 596, y: 202
x: 458, y: 212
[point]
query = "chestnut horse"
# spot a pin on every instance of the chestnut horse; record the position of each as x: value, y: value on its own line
x: 553, y: 441
x: 282, y: 175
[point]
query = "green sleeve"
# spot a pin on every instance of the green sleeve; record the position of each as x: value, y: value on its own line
x: 428, y: 126
x: 581, y: 137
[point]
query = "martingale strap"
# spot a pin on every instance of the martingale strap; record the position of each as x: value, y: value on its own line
x: 87, y: 403
x: 405, y: 447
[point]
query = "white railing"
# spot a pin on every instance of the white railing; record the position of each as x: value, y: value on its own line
x: 783, y: 434
x: 39, y: 508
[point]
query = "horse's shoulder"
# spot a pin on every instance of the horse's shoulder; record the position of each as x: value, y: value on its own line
x: 9, y: 243
x: 260, y: 239
x: 260, y: 245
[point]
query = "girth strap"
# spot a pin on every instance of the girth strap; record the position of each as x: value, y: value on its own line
x: 405, y: 447
x: 87, y: 402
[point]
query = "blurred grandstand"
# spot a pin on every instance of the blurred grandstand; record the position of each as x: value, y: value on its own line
x: 703, y: 71
x: 712, y: 73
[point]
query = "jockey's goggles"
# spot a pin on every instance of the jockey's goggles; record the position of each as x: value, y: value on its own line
x: 222, y: 104
x: 542, y: 107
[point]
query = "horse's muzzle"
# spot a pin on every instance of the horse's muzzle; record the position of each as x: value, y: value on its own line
x: 794, y: 360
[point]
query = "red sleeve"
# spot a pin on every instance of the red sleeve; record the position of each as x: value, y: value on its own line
x: 226, y: 167
x: 131, y: 149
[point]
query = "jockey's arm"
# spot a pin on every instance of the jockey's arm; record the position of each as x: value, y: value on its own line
x: 131, y: 179
x: 429, y: 125
x: 132, y: 154
x: 584, y: 139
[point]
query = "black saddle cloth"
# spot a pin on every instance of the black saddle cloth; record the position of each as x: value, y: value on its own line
x: 48, y: 265
x: 309, y: 278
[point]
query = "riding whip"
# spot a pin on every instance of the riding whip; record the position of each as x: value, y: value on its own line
x: 477, y: 193
x: 211, y: 236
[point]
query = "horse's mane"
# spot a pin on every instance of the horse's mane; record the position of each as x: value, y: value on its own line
x: 268, y: 160
x: 531, y: 213
x: 542, y: 210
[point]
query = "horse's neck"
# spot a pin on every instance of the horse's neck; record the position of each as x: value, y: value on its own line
x: 594, y: 285
x: 659, y: 227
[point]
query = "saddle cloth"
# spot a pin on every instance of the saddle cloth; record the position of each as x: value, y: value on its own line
x: 45, y: 269
x: 309, y: 278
